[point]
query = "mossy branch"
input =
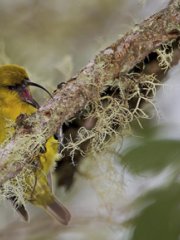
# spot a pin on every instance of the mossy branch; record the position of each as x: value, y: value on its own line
x: 70, y: 98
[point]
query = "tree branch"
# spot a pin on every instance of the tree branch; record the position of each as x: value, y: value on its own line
x: 70, y: 98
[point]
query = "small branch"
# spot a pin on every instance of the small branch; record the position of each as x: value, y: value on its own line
x: 114, y: 61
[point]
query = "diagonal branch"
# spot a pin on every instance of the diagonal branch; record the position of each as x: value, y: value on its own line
x: 70, y: 98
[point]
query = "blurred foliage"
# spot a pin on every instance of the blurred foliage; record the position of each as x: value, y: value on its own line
x: 153, y: 155
x: 156, y: 162
x: 160, y: 218
x: 40, y: 34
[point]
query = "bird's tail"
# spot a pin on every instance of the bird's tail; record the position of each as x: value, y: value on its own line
x: 20, y: 208
x: 58, y: 211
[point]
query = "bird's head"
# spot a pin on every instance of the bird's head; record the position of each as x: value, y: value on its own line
x: 14, y: 80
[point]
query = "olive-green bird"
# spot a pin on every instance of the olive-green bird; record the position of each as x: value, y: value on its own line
x: 16, y: 99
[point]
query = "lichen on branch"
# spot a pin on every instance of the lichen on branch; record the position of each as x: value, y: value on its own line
x: 107, y: 69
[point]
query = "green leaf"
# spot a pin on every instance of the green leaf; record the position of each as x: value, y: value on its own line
x: 152, y: 156
x: 160, y: 219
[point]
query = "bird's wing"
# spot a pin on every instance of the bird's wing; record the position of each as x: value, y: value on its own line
x: 49, y: 178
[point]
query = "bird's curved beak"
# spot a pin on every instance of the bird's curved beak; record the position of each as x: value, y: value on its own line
x: 26, y: 94
x: 29, y: 83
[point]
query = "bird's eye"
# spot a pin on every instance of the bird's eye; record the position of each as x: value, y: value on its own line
x: 13, y: 87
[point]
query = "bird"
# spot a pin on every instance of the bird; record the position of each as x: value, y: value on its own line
x: 16, y: 99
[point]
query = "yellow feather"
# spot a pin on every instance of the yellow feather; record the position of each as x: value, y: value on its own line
x: 38, y: 192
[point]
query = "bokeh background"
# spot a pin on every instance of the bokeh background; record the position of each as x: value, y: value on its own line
x: 131, y: 191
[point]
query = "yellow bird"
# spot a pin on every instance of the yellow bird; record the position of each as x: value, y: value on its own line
x: 16, y: 99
